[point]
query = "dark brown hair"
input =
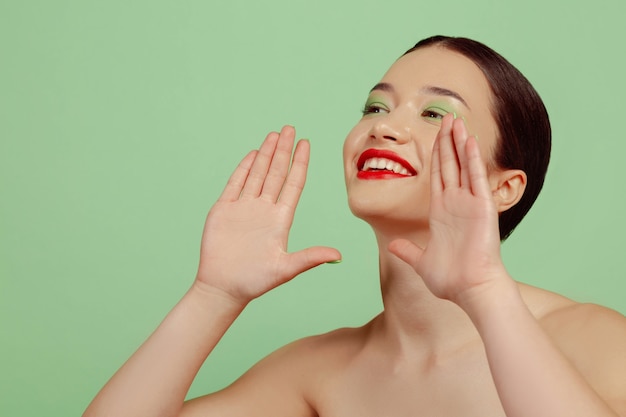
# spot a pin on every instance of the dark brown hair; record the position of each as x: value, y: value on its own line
x: 524, y: 134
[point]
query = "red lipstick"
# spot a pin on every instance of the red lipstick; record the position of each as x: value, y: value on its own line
x: 383, y: 173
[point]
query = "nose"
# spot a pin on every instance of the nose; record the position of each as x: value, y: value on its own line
x: 391, y: 127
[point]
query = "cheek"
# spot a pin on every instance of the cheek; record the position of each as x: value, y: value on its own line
x: 353, y: 144
x: 488, y: 150
x: 346, y: 151
x: 486, y: 131
x: 346, y: 159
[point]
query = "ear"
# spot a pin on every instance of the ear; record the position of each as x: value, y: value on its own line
x: 507, y: 187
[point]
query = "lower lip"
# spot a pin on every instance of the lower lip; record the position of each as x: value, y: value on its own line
x: 379, y: 175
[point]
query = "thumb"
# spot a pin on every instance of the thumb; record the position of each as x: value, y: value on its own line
x: 406, y: 250
x: 306, y: 259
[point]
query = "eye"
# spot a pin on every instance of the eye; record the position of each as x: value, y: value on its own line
x: 434, y: 113
x: 373, y: 107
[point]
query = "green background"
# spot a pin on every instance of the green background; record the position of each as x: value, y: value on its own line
x: 121, y: 120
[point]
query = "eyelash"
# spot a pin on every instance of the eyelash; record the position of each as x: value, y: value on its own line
x: 372, y: 108
x: 428, y: 113
x: 432, y: 114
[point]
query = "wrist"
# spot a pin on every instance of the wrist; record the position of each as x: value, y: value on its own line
x: 491, y: 297
x: 211, y: 298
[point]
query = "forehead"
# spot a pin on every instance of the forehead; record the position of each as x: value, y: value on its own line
x: 436, y: 66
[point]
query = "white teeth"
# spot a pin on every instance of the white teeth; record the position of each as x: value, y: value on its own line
x: 383, y: 163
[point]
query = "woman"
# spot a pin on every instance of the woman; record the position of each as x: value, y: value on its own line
x: 453, y: 141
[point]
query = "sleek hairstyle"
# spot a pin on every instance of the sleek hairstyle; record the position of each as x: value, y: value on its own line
x: 524, y: 134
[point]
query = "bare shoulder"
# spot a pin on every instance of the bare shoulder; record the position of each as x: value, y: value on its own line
x: 587, y: 331
x: 286, y: 382
x: 589, y: 334
x: 314, y: 357
x: 319, y: 352
x: 576, y: 324
x: 593, y: 338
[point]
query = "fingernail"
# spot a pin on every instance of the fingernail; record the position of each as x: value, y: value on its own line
x: 454, y: 114
x: 338, y: 261
x: 476, y: 137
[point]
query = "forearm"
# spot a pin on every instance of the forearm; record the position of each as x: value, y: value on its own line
x: 155, y: 380
x: 532, y: 376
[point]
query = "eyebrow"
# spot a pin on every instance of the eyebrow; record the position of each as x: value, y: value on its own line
x: 383, y: 87
x: 429, y: 89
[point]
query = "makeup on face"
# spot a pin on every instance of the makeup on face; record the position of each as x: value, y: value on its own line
x: 377, y: 164
x: 375, y: 104
x: 380, y: 164
x: 403, y: 112
x: 433, y: 110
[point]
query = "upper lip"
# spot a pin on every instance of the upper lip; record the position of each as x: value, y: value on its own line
x: 386, y: 154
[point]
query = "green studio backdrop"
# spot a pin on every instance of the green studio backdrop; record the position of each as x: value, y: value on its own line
x: 120, y: 122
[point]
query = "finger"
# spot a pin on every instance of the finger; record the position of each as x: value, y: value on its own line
x: 406, y: 250
x: 459, y: 132
x: 297, y: 175
x: 258, y: 172
x: 235, y: 183
x: 436, y: 184
x: 306, y: 259
x: 448, y: 160
x: 477, y: 170
x: 279, y: 166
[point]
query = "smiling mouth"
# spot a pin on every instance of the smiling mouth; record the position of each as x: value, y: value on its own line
x: 383, y: 164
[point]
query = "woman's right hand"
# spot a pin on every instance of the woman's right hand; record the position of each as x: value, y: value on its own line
x: 244, y: 244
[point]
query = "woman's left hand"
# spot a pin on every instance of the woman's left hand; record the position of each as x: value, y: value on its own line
x: 463, y: 251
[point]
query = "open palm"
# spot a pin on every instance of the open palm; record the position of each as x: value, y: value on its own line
x: 244, y: 244
x: 463, y: 250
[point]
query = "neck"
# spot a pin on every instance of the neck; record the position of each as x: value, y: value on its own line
x: 414, y: 320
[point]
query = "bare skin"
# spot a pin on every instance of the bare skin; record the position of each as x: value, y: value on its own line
x: 455, y: 338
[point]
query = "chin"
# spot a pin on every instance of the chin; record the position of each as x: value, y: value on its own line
x: 385, y: 217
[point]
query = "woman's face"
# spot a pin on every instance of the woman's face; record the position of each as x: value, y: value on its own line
x: 387, y: 154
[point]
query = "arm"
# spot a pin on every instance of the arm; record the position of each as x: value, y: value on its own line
x: 529, y: 368
x: 243, y: 255
x: 531, y: 374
